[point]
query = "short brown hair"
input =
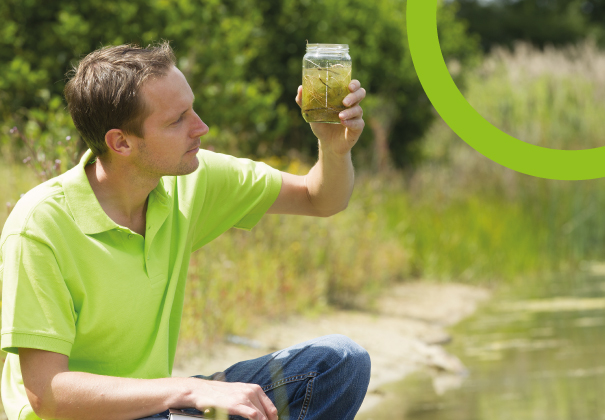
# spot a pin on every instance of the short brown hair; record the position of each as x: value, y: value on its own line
x: 104, y: 91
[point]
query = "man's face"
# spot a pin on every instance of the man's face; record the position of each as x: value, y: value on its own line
x: 172, y: 130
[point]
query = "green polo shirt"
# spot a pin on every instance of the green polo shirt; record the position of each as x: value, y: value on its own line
x: 77, y: 283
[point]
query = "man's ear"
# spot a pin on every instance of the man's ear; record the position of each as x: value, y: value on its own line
x: 118, y: 142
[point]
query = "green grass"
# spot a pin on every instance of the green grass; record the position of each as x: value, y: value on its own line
x: 17, y: 180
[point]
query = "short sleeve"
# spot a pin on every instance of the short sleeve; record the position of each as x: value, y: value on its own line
x: 37, y: 309
x: 236, y: 192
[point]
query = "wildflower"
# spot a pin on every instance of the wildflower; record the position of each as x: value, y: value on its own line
x: 68, y: 138
x: 27, y: 159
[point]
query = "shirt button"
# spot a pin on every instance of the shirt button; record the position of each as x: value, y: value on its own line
x: 130, y: 236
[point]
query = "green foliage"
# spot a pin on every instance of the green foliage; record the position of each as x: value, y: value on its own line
x: 555, y: 22
x: 242, y: 59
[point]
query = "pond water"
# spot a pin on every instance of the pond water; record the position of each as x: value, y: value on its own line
x: 536, y: 353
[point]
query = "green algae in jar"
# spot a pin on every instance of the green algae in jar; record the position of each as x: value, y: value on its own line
x: 326, y: 78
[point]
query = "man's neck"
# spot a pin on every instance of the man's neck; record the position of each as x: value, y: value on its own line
x: 122, y: 193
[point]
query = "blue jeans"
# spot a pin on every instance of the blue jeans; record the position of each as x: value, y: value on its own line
x: 320, y: 379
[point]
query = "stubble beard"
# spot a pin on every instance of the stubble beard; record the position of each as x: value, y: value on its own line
x: 159, y: 167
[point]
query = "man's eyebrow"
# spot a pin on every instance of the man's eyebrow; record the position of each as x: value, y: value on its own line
x: 172, y: 119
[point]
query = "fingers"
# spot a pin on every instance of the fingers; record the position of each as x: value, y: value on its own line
x: 354, y: 112
x: 354, y: 85
x: 268, y: 405
x: 241, y: 399
x: 352, y: 118
x: 263, y: 405
x: 356, y: 124
x: 299, y: 96
x: 357, y: 94
x: 248, y: 412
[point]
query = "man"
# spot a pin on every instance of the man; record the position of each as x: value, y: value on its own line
x: 94, y: 262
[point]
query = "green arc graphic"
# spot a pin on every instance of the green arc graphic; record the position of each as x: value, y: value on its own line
x: 471, y: 126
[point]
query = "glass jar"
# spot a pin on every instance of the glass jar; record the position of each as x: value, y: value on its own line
x: 326, y: 78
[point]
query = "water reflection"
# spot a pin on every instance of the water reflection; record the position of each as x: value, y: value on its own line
x: 535, y: 354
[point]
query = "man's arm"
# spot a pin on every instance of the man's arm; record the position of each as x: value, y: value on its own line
x: 56, y: 393
x: 328, y: 186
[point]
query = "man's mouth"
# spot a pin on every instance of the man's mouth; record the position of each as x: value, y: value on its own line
x: 195, y: 148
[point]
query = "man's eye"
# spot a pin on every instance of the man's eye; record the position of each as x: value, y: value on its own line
x: 179, y: 120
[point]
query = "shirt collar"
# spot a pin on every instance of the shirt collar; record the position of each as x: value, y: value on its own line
x: 82, y: 201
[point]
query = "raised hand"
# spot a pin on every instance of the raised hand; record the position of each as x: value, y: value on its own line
x: 340, y: 138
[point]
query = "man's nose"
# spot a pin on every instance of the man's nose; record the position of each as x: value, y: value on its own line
x: 200, y: 128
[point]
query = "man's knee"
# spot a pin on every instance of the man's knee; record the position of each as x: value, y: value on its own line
x: 355, y: 356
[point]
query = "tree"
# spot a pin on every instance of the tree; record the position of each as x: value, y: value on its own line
x: 541, y: 22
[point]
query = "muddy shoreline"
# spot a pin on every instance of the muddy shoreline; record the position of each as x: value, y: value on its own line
x: 406, y: 334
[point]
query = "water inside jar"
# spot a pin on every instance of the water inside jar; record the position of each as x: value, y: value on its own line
x: 325, y: 85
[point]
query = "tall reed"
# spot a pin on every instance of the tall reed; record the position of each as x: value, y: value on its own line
x: 553, y: 98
